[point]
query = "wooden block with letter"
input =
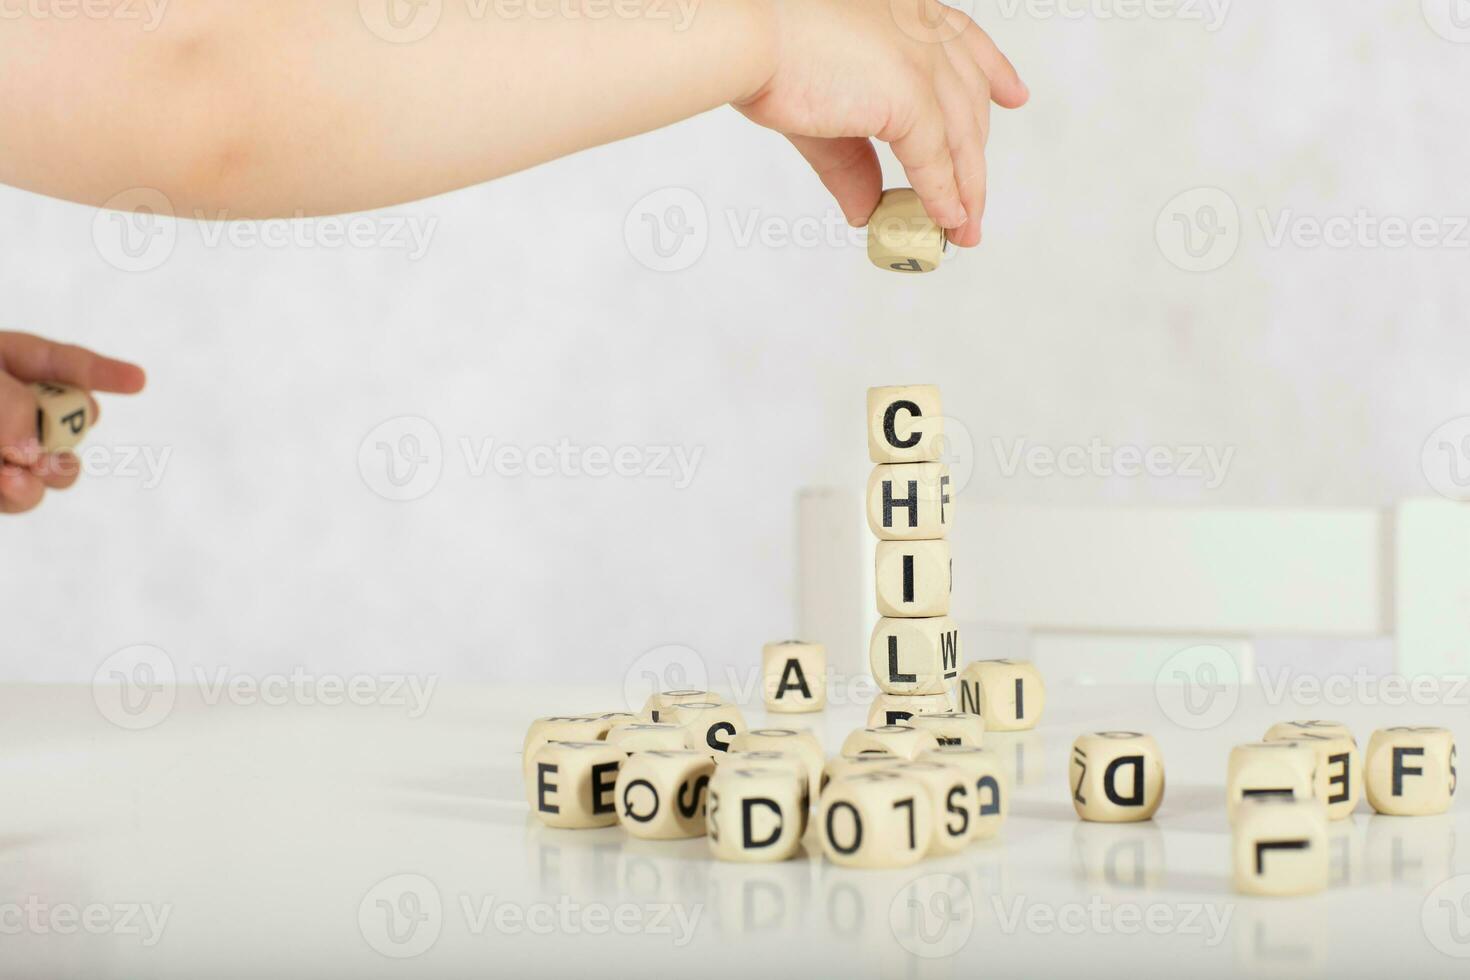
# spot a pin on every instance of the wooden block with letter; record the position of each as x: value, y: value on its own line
x: 904, y: 741
x: 1410, y: 771
x: 950, y: 802
x: 1339, y: 768
x: 661, y: 794
x: 913, y: 578
x: 910, y: 501
x: 1280, y: 768
x: 1280, y: 847
x: 755, y: 813
x: 795, y: 676
x: 899, y: 709
x: 63, y: 416
x: 572, y: 784
x: 905, y: 424
x: 901, y: 235
x: 1116, y: 777
x: 1008, y: 694
x: 915, y: 656
x: 880, y: 819
x: 990, y: 790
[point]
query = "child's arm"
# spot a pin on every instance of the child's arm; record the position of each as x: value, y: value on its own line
x: 26, y: 471
x: 252, y: 108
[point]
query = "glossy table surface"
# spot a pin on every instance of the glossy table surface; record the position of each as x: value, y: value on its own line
x: 245, y: 836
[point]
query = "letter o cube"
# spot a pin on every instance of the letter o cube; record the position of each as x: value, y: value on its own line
x: 879, y: 819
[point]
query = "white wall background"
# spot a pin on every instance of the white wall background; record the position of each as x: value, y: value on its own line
x: 529, y: 321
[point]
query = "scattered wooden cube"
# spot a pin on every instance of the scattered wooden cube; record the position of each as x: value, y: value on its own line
x: 879, y: 819
x: 952, y: 728
x: 755, y: 814
x: 646, y: 736
x: 901, y: 235
x: 910, y: 501
x: 795, y: 676
x: 904, y: 741
x: 63, y: 416
x: 799, y: 742
x: 709, y: 726
x: 572, y: 784
x: 1410, y: 771
x: 913, y: 579
x: 987, y: 779
x: 568, y: 728
x: 897, y: 709
x: 768, y: 759
x: 951, y: 802
x: 661, y: 794
x: 1282, y: 768
x: 1008, y: 694
x: 915, y: 656
x: 905, y: 424
x: 1116, y: 777
x: 1280, y: 847
x: 1339, y: 777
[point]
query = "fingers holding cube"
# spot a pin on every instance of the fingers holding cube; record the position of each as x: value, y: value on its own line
x: 63, y: 416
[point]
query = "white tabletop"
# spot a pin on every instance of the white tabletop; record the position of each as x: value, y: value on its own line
x: 236, y: 839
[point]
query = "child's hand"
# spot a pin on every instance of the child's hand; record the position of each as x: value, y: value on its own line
x: 26, y: 473
x: 913, y: 73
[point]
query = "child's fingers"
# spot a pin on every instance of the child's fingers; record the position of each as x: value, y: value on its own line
x: 20, y: 489
x: 20, y: 444
x: 967, y: 151
x: 849, y: 169
x: 1006, y: 87
x: 33, y: 358
x: 58, y: 471
x: 923, y: 149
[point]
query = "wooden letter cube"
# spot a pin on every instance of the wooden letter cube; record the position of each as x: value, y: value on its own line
x: 755, y: 814
x: 901, y: 235
x: 1280, y: 847
x: 1411, y: 771
x: 567, y: 728
x: 63, y: 416
x: 840, y: 766
x: 1008, y: 694
x: 950, y: 802
x: 572, y: 784
x: 1116, y: 777
x: 952, y: 728
x: 799, y: 742
x: 909, y: 501
x: 879, y: 819
x: 709, y: 726
x: 1282, y: 768
x: 905, y: 424
x: 915, y: 656
x: 660, y: 794
x: 1339, y: 777
x: 913, y: 579
x: 990, y: 789
x: 904, y: 741
x: 795, y: 675
x: 897, y: 709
